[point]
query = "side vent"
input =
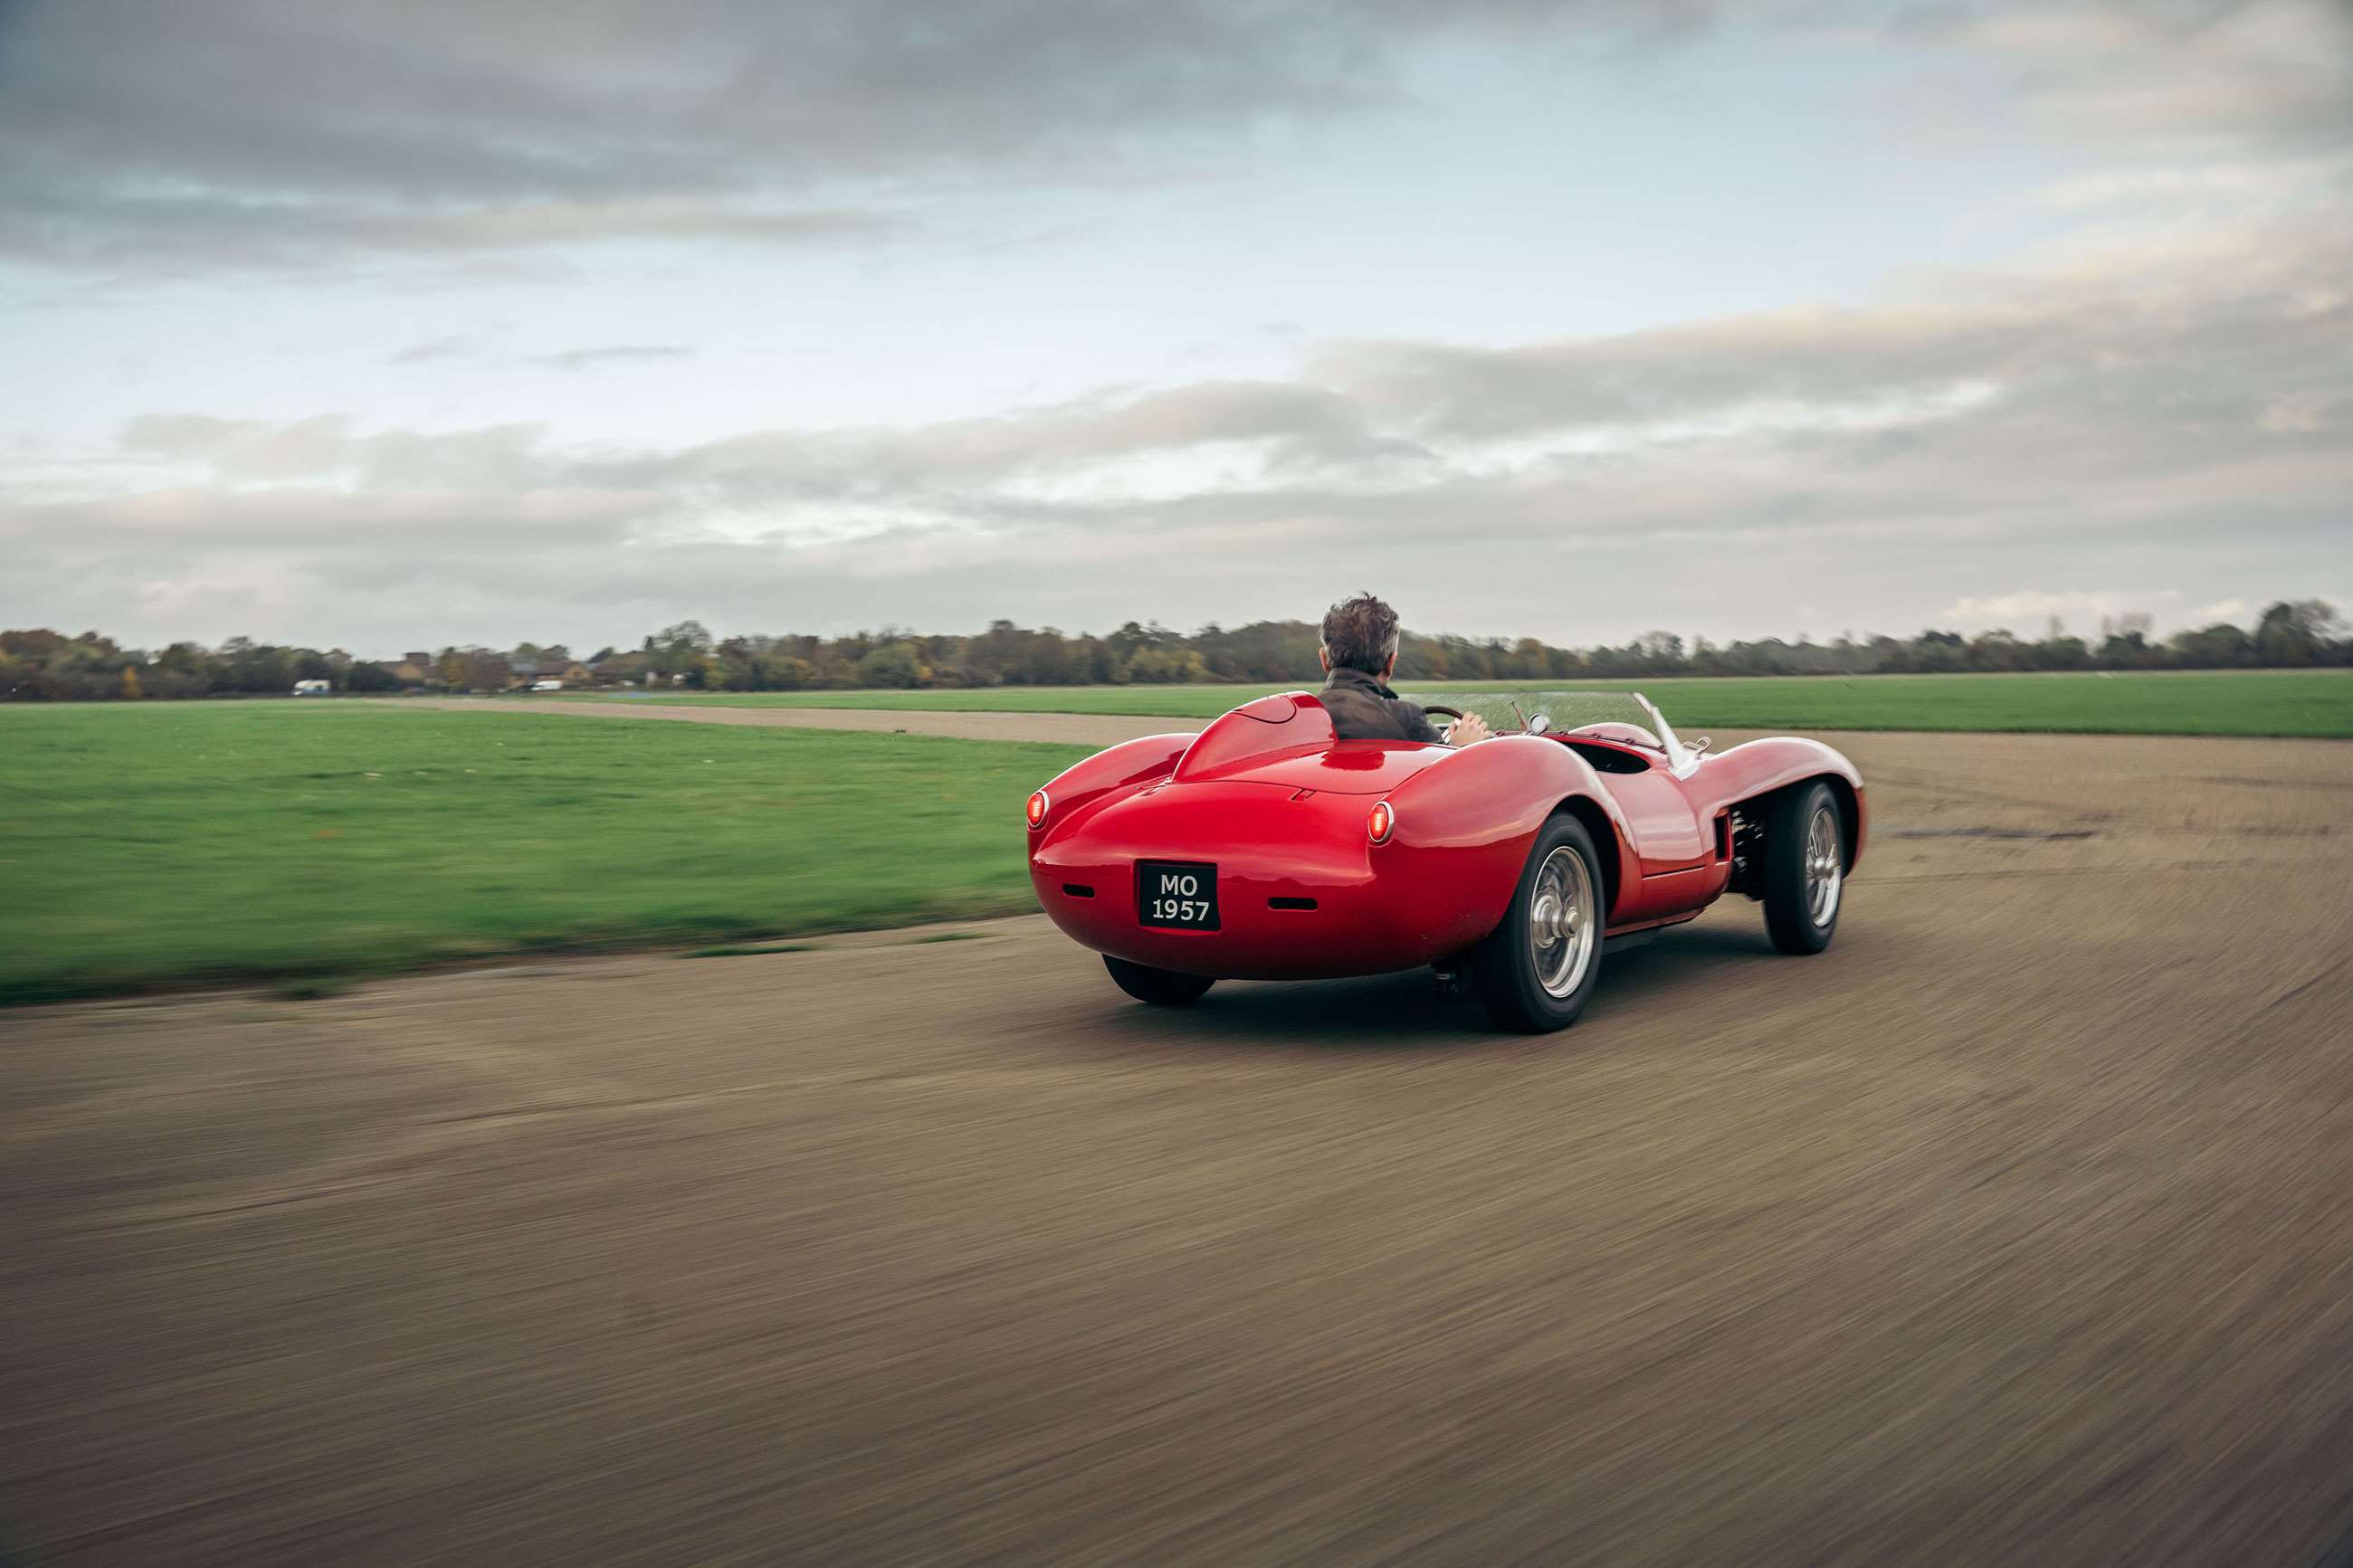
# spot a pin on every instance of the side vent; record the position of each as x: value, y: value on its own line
x: 1291, y: 903
x: 1078, y: 889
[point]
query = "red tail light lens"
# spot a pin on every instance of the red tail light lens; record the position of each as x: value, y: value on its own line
x: 1037, y: 810
x: 1381, y: 824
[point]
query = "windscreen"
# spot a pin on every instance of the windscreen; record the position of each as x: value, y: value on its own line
x: 1561, y: 710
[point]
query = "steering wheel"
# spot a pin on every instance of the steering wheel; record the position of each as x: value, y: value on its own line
x: 1440, y: 709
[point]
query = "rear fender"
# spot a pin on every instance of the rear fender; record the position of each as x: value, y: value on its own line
x: 1605, y: 823
x: 1473, y: 817
x: 1075, y: 793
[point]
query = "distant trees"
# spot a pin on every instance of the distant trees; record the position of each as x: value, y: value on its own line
x: 42, y: 665
x: 475, y: 669
x: 1159, y: 666
x: 2296, y: 633
x: 894, y: 664
x: 2220, y: 647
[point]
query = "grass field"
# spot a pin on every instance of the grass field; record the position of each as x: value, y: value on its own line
x: 186, y: 843
x: 2220, y: 702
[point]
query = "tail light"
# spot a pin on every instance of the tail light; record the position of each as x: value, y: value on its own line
x: 1037, y: 810
x: 1381, y: 824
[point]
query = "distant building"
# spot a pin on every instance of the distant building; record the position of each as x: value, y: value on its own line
x: 531, y: 671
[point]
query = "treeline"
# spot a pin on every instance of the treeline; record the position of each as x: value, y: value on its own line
x: 40, y: 665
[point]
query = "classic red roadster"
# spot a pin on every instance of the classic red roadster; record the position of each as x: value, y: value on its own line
x: 1266, y: 848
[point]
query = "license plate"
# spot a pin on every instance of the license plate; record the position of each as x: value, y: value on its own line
x: 1177, y: 895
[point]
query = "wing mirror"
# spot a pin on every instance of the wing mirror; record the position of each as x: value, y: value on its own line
x: 1535, y: 726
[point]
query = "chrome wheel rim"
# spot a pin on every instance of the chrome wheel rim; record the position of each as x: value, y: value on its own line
x: 1823, y: 873
x: 1563, y: 923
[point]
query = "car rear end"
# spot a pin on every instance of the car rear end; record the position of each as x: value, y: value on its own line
x: 1240, y: 881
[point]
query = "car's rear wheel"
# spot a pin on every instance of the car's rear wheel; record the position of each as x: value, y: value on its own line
x: 1536, y: 970
x: 1164, y: 987
x: 1805, y: 869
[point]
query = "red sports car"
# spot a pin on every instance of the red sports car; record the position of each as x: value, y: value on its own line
x: 1266, y: 848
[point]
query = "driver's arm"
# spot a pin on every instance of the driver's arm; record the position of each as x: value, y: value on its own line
x: 1468, y: 731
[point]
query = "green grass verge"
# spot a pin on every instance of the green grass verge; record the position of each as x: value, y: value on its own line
x: 165, y: 845
x: 2220, y: 702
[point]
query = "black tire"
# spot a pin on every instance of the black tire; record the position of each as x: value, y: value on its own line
x: 1162, y: 987
x: 1508, y: 968
x: 1799, y: 880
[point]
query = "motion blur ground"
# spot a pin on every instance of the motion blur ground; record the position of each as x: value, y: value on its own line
x: 2019, y: 1225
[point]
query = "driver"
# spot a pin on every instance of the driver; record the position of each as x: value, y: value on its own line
x: 1360, y: 654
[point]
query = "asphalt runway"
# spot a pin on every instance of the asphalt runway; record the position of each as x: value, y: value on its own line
x: 2017, y: 1227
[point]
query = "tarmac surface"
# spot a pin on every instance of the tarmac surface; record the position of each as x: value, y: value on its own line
x: 2016, y: 1227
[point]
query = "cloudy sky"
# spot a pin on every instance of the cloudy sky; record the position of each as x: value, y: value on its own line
x: 344, y: 321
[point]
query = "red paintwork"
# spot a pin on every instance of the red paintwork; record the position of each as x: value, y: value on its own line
x: 1279, y: 805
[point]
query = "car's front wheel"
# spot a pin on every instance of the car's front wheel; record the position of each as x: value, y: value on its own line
x: 1805, y: 869
x: 1164, y: 987
x: 1538, y: 968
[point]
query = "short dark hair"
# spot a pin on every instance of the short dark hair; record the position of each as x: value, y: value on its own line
x: 1360, y: 633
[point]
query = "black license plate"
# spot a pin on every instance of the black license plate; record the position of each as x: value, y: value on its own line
x: 1178, y: 895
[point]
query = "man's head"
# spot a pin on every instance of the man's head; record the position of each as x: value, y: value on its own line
x: 1360, y: 633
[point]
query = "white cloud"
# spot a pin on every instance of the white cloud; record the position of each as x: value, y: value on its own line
x: 2232, y: 610
x: 611, y: 354
x: 2034, y: 606
x: 1926, y: 458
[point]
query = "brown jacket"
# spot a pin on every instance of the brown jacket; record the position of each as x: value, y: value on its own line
x: 1362, y: 708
